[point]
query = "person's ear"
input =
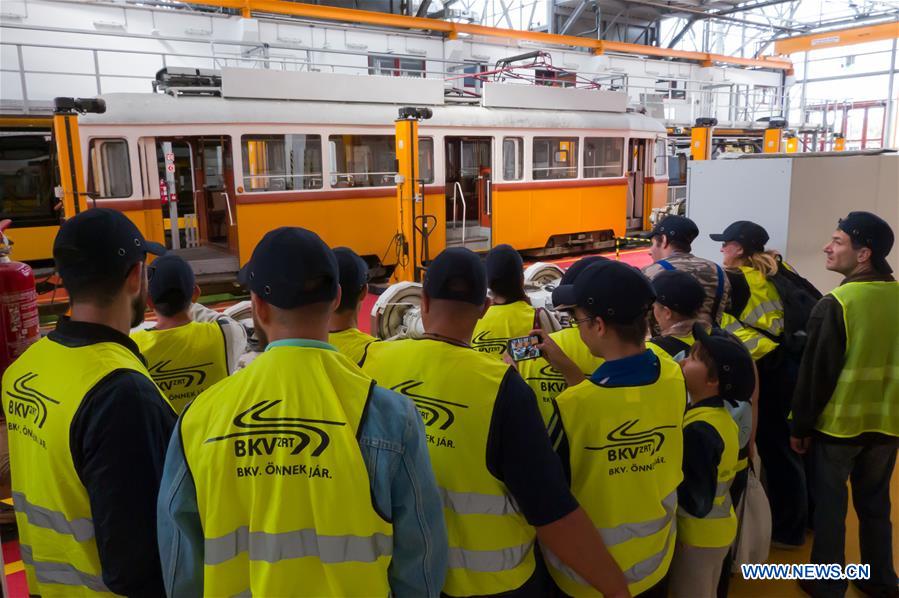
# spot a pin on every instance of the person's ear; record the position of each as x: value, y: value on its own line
x: 864, y: 255
x: 601, y: 327
x: 336, y: 302
x: 261, y: 309
x: 363, y: 294
x: 135, y: 278
x: 425, y: 302
x: 666, y: 311
x: 196, y: 294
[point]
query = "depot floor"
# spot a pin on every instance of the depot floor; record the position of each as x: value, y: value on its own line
x: 740, y: 588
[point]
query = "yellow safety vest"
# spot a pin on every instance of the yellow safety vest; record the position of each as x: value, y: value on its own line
x: 499, y: 324
x: 626, y: 446
x: 42, y: 391
x: 866, y: 398
x: 184, y: 361
x: 282, y: 490
x: 352, y: 342
x: 719, y: 527
x: 491, y: 545
x: 763, y: 311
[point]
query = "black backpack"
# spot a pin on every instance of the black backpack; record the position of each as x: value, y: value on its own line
x: 799, y: 297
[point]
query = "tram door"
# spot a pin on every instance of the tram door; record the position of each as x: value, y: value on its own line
x: 636, y: 175
x: 469, y: 209
x: 197, y: 176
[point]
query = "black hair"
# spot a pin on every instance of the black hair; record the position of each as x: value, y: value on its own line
x: 633, y: 332
x: 681, y: 245
x: 171, y: 303
x: 100, y: 290
x: 510, y: 288
x: 349, y: 298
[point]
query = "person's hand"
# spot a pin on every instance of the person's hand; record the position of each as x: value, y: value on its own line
x: 557, y: 358
x: 800, y: 445
x: 508, y: 359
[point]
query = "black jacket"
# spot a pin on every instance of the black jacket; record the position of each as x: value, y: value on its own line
x: 118, y: 439
x: 822, y: 364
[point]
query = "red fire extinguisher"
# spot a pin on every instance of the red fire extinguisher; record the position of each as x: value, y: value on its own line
x: 19, y: 322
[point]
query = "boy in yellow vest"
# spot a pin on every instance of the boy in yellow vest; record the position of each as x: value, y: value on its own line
x: 185, y: 357
x: 510, y: 314
x: 344, y: 330
x: 618, y: 432
x: 679, y: 297
x: 717, y: 369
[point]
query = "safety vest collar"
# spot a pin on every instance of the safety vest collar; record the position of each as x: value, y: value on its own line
x: 635, y: 370
x: 306, y: 343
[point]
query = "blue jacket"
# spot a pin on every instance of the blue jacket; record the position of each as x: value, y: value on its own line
x: 402, y: 483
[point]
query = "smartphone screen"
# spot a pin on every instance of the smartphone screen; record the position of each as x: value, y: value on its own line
x: 524, y: 347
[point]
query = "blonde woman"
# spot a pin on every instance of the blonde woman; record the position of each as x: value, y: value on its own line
x: 756, y: 303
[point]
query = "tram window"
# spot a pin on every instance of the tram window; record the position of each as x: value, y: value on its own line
x: 281, y: 162
x: 603, y: 157
x: 513, y: 158
x: 555, y: 158
x: 660, y: 159
x: 362, y: 161
x: 26, y: 179
x: 110, y: 168
x: 426, y: 159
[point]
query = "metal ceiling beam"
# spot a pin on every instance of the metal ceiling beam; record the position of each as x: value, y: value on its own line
x: 837, y: 38
x: 573, y: 17
x: 680, y: 34
x: 746, y: 8
x: 423, y: 8
x: 711, y: 16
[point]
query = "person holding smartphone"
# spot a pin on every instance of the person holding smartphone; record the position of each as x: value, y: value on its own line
x: 502, y: 485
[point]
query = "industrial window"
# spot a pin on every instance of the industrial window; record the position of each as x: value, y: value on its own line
x: 110, y: 168
x: 555, y: 158
x: 26, y: 179
x: 396, y: 66
x: 555, y: 78
x: 363, y: 160
x: 602, y: 157
x: 513, y: 158
x: 281, y: 162
x: 660, y: 159
x: 426, y: 159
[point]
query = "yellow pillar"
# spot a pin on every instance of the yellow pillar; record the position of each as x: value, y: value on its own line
x: 792, y: 144
x: 408, y: 201
x: 700, y: 143
x: 71, y: 170
x: 839, y: 142
x: 773, y: 140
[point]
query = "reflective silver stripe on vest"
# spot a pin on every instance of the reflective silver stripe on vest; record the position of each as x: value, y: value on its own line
x: 632, y: 575
x: 81, y: 529
x: 628, y: 531
x: 271, y: 548
x: 761, y: 309
x: 488, y: 561
x: 472, y: 503
x: 60, y: 573
x: 752, y: 343
x: 733, y: 327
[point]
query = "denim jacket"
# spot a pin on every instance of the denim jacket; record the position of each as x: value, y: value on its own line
x: 393, y: 445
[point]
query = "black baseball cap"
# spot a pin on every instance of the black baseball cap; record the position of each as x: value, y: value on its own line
x: 611, y: 290
x: 97, y: 243
x: 678, y: 291
x: 353, y: 271
x: 873, y: 232
x: 680, y: 228
x: 171, y: 279
x: 736, y: 377
x: 579, y: 266
x: 291, y: 267
x: 504, y: 263
x: 751, y: 236
x: 457, y: 274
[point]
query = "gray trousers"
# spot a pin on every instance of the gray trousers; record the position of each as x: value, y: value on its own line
x: 870, y: 468
x: 695, y: 571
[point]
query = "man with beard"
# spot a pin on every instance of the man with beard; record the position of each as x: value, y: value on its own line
x: 88, y: 429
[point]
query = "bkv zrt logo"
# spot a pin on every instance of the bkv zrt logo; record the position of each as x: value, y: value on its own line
x: 435, y: 412
x: 626, y: 443
x: 167, y: 379
x: 259, y: 434
x: 27, y: 403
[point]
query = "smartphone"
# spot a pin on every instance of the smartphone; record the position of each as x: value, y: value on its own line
x: 524, y: 347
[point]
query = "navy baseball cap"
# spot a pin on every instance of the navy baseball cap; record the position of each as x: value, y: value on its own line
x: 873, y: 232
x: 353, y: 271
x: 171, y: 279
x: 291, y: 267
x: 675, y: 227
x: 457, y: 274
x: 736, y: 377
x: 751, y: 236
x: 504, y: 263
x: 99, y: 242
x: 678, y: 291
x: 611, y: 290
x: 579, y: 266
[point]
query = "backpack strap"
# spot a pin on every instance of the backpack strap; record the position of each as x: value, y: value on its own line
x: 666, y: 265
x: 669, y: 344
